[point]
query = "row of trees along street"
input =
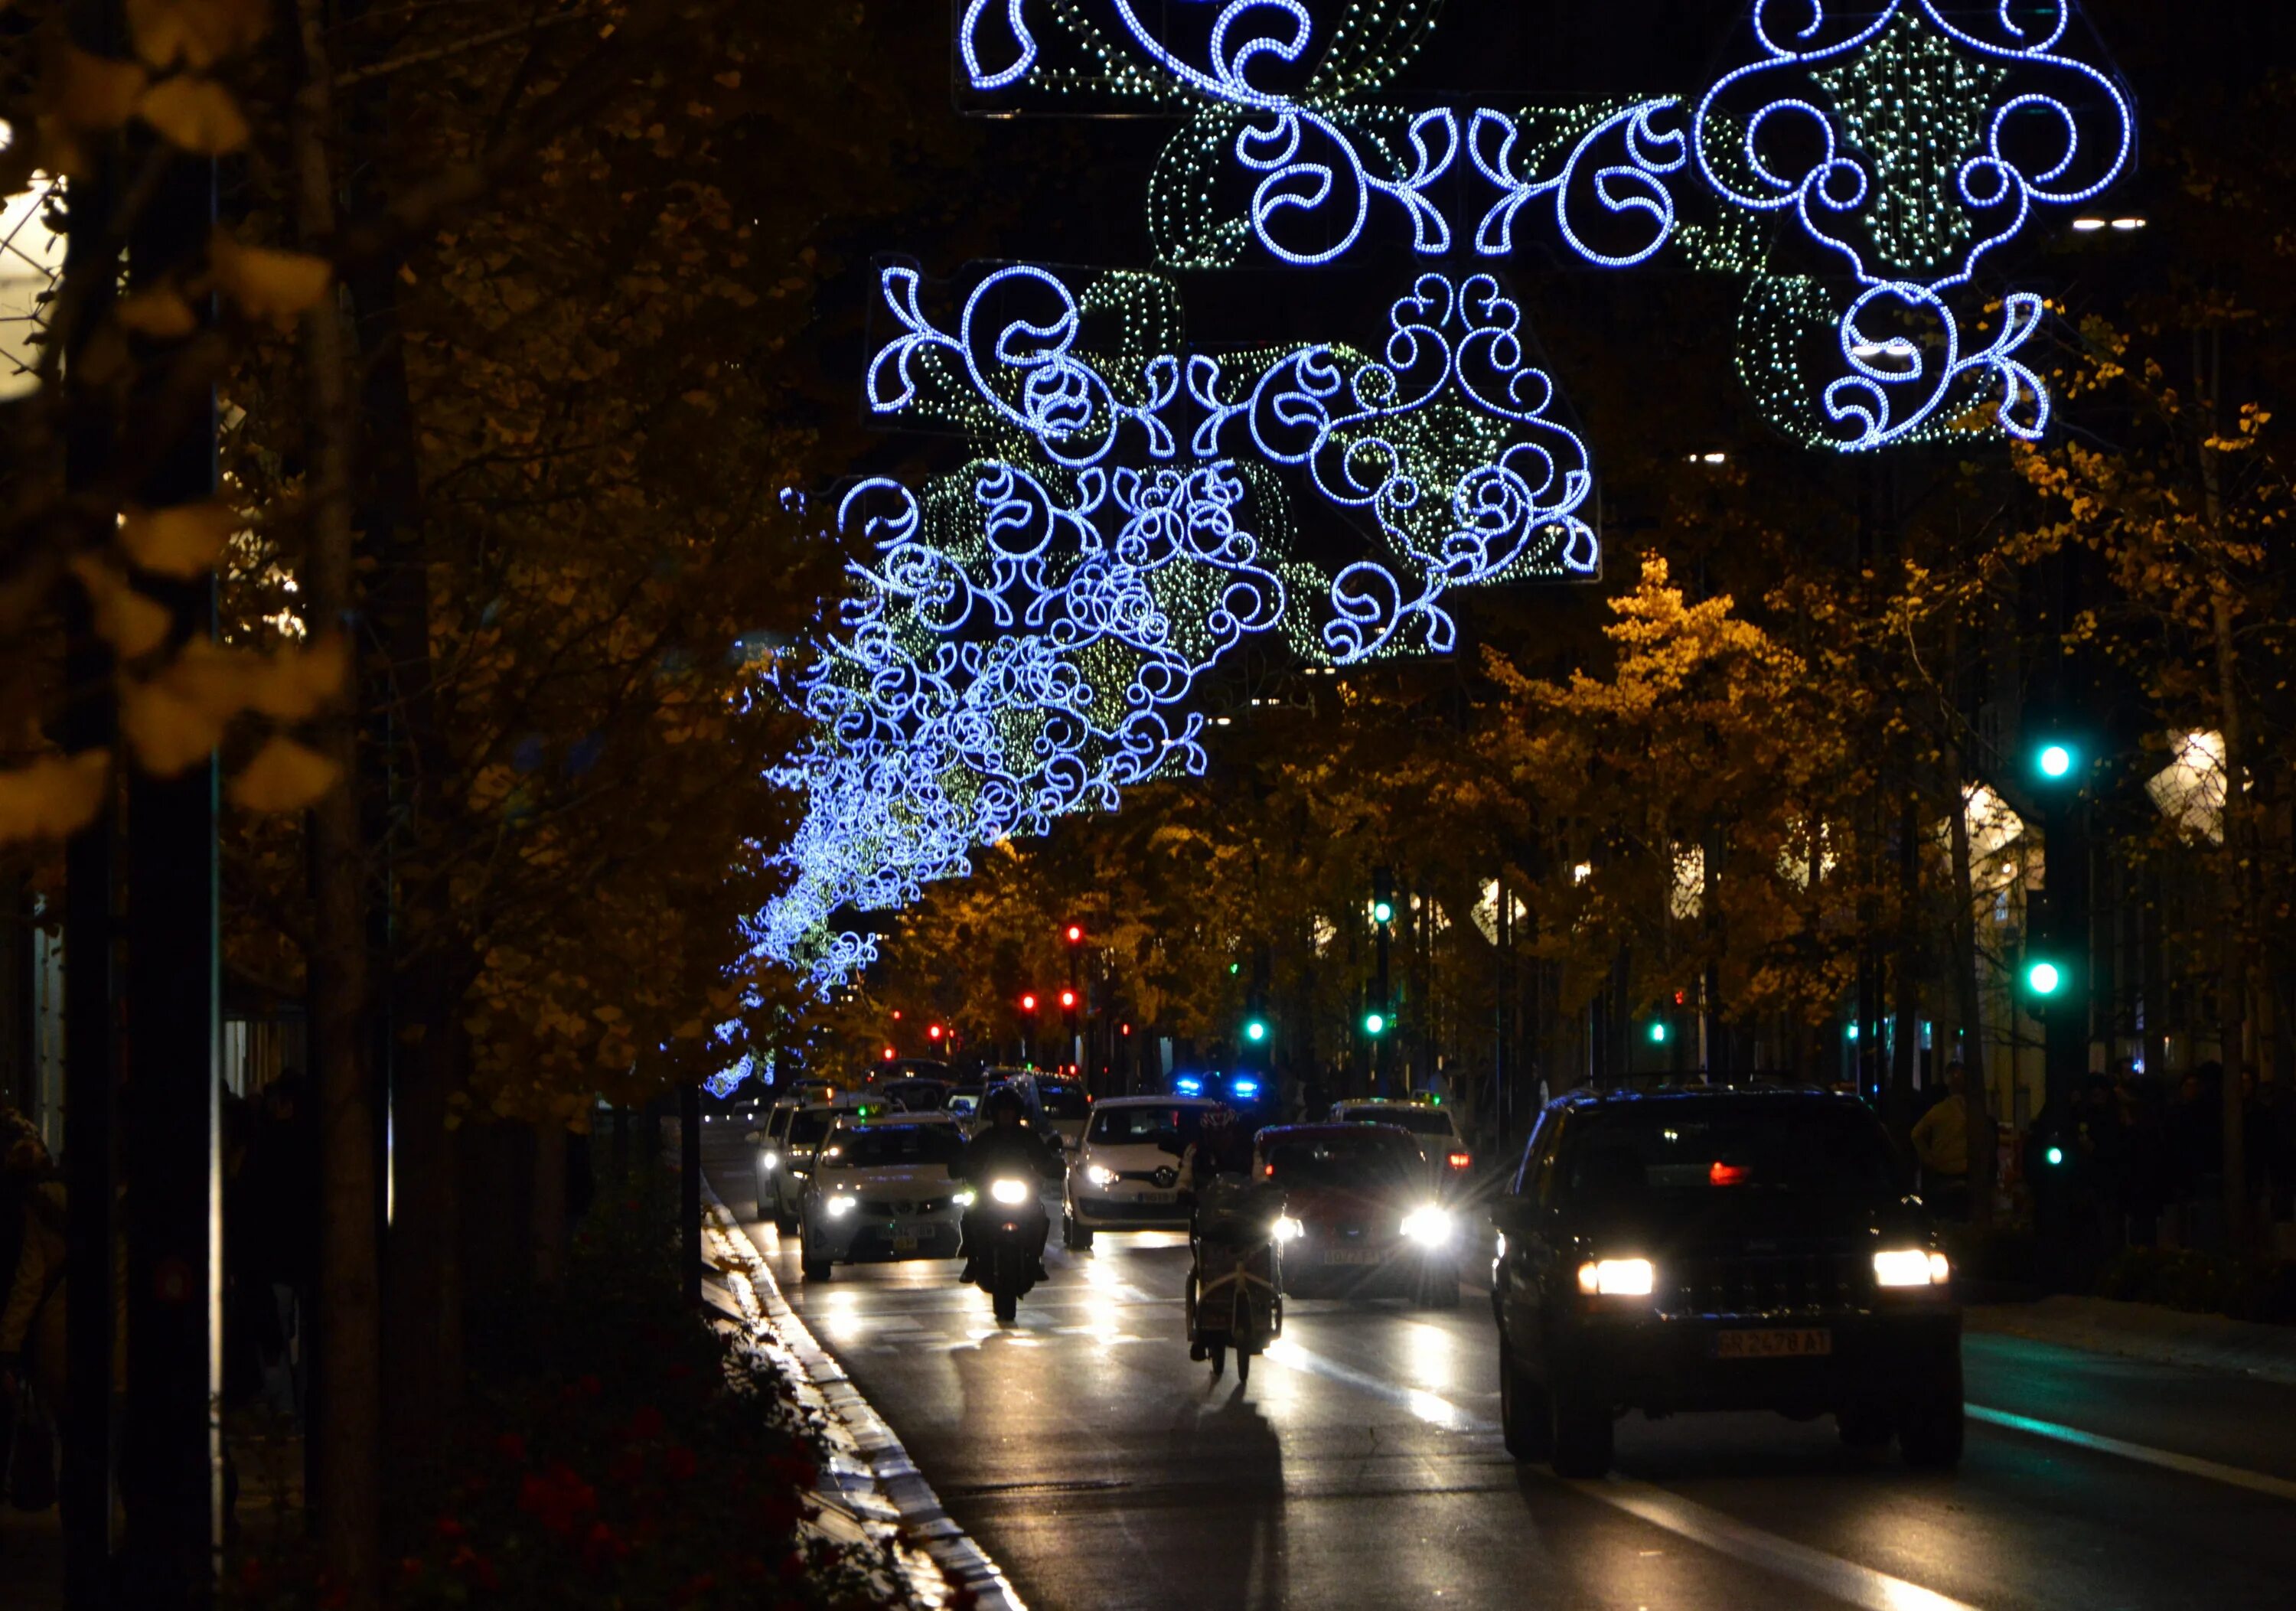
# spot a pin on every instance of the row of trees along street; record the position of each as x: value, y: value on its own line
x: 404, y: 459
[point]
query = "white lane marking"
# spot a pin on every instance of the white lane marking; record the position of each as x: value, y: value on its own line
x: 2191, y: 1464
x: 1830, y: 1574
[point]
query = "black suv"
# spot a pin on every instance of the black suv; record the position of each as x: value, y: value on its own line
x: 1719, y: 1249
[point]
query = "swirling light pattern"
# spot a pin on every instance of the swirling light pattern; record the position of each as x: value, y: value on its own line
x: 1027, y: 638
x: 1906, y: 140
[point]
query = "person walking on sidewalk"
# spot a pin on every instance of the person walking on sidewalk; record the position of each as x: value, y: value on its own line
x: 1941, y: 1143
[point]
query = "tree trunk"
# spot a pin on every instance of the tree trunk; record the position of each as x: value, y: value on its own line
x: 2233, y: 983
x: 1905, y: 1034
x: 548, y: 1204
x: 423, y: 1328
x: 1963, y: 943
x: 349, y: 1398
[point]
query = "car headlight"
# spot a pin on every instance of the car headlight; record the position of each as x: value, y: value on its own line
x: 1100, y: 1175
x: 839, y: 1206
x: 1010, y: 1192
x: 1289, y: 1230
x: 965, y: 1197
x: 1618, y: 1278
x: 1429, y: 1226
x: 1911, y: 1266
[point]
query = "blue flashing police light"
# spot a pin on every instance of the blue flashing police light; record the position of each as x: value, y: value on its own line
x: 1244, y: 1088
x: 1188, y: 1085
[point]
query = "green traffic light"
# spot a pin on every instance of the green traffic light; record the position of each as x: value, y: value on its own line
x: 1382, y: 911
x: 2055, y: 760
x: 2042, y: 978
x: 1374, y: 1023
x: 1255, y: 1029
x: 2056, y: 1155
x: 1658, y: 1034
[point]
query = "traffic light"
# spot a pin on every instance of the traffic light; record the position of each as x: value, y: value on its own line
x: 1255, y: 1030
x: 889, y: 1053
x: 1068, y: 1001
x: 1374, y: 1023
x: 2043, y: 977
x: 1075, y: 934
x: 934, y: 1033
x: 1658, y: 1033
x: 1382, y: 911
x: 1029, y: 1002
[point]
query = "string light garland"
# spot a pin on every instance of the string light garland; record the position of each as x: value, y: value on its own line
x: 1906, y: 139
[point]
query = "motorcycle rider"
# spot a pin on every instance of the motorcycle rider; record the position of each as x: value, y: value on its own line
x: 1004, y: 1146
x: 1222, y: 1147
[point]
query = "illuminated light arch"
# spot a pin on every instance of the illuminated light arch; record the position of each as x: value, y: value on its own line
x: 1940, y: 131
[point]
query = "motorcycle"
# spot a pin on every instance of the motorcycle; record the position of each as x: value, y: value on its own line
x: 1009, y: 1227
x: 1235, y: 1295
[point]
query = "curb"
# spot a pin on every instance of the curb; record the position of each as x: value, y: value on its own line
x: 2147, y: 1332
x: 876, y: 1484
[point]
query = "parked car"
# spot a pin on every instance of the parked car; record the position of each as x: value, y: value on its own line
x: 1436, y: 1130
x: 1719, y: 1249
x: 1359, y: 1218
x: 1125, y: 1173
x: 879, y: 1189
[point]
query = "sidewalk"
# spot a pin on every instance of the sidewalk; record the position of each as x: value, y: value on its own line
x: 2145, y: 1331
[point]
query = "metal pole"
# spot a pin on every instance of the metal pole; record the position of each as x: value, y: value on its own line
x: 689, y: 1187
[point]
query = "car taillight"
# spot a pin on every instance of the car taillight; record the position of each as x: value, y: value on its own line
x: 1461, y: 1160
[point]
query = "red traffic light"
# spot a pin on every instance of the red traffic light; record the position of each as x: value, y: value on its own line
x: 1127, y: 1029
x: 934, y: 1031
x: 889, y: 1053
x: 1029, y: 1003
x: 896, y: 1014
x: 1076, y: 933
x: 1068, y: 1001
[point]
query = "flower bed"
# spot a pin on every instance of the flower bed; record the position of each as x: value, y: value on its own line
x: 623, y: 1455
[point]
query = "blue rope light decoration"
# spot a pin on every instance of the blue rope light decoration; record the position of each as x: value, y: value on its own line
x: 1026, y: 638
x: 1939, y: 130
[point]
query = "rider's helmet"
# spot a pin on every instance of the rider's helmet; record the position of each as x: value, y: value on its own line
x: 1004, y: 1099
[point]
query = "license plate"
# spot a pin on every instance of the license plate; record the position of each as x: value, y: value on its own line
x: 1773, y: 1345
x: 1349, y: 1255
x: 1153, y: 1197
x: 904, y: 1243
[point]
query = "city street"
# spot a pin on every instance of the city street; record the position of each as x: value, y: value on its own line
x: 1361, y: 1467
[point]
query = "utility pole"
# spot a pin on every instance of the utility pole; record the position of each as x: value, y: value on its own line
x: 1383, y: 1009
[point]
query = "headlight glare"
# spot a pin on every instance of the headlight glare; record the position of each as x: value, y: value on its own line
x: 1428, y: 1225
x: 1289, y: 1230
x: 1910, y: 1267
x: 841, y: 1207
x: 1100, y: 1174
x: 1010, y: 1193
x: 965, y: 1197
x: 769, y: 1162
x: 1618, y: 1279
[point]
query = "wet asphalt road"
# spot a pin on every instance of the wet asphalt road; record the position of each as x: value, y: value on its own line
x: 1361, y: 1467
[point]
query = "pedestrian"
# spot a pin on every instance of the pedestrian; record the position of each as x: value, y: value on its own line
x: 1941, y: 1142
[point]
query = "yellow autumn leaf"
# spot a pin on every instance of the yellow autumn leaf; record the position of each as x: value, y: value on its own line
x: 296, y: 682
x: 131, y: 623
x: 185, y: 541
x: 159, y: 312
x: 95, y: 92
x: 53, y: 798
x: 606, y: 1014
x: 198, y: 33
x: 168, y: 731
x: 265, y: 284
x: 196, y: 114
x: 284, y: 776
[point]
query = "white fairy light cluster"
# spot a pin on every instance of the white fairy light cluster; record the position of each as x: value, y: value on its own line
x: 1027, y: 636
x: 1906, y: 139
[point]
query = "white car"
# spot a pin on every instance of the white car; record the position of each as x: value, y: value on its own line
x: 1125, y: 1174
x: 879, y: 1189
x: 1435, y: 1129
x: 785, y: 1157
